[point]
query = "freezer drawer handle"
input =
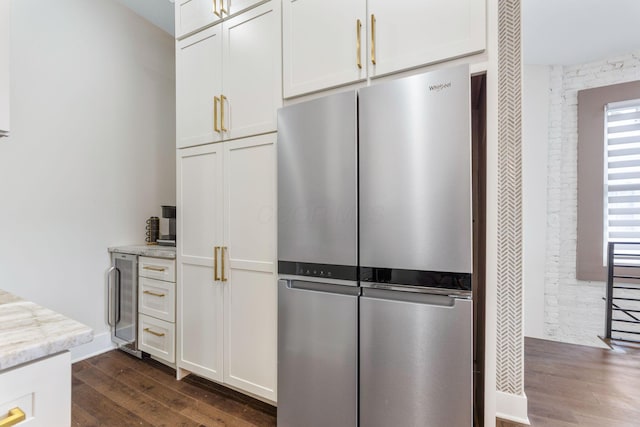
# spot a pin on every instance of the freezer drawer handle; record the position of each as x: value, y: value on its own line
x: 153, y: 268
x: 153, y: 294
x: 158, y: 334
x: 15, y: 416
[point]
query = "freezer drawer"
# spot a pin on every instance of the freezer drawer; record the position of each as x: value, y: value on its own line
x: 317, y: 355
x: 415, y: 360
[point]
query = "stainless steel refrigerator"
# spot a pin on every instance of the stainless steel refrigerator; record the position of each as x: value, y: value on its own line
x: 379, y: 180
x: 416, y: 251
x: 317, y: 263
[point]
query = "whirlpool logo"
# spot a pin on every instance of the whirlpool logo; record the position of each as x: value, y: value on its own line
x: 439, y: 87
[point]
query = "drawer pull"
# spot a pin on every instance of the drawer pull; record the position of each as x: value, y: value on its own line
x: 158, y: 334
x: 154, y: 294
x: 15, y: 416
x: 152, y: 268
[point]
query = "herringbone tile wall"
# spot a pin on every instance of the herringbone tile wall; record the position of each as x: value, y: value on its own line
x: 510, y: 344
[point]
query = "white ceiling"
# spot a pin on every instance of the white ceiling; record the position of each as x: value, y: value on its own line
x: 577, y: 31
x: 158, y: 12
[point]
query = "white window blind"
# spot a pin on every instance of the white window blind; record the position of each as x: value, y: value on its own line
x: 622, y: 177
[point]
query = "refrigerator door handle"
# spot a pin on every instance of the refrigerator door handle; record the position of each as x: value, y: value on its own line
x: 445, y: 301
x: 321, y: 287
x: 110, y: 313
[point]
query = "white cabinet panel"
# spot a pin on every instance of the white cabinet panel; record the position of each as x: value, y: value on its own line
x: 200, y: 304
x: 320, y: 44
x: 252, y: 71
x: 251, y: 291
x: 411, y: 33
x: 4, y: 66
x: 250, y: 180
x: 157, y: 337
x: 200, y: 198
x: 157, y: 298
x: 198, y: 82
x: 157, y: 268
x: 41, y: 389
x: 251, y: 332
x: 233, y: 7
x: 191, y: 15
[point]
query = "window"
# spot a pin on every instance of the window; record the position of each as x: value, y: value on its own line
x: 601, y: 178
x: 622, y: 176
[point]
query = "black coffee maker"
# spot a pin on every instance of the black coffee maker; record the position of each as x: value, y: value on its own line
x: 169, y: 212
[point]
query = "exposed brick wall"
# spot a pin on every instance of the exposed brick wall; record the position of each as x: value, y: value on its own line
x: 574, y: 309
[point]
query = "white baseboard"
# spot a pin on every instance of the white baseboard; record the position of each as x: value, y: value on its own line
x: 512, y: 407
x: 101, y: 343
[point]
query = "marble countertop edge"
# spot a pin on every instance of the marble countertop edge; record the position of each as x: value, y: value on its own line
x: 29, y: 331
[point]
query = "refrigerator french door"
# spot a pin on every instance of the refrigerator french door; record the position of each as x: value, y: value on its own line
x: 416, y: 251
x: 317, y: 263
x: 122, y: 301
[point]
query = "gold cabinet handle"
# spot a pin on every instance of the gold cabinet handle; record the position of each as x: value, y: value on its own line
x: 373, y: 39
x: 222, y: 9
x: 224, y: 249
x: 152, y: 268
x: 215, y: 263
x: 15, y: 416
x: 358, y: 43
x: 154, y: 294
x: 215, y: 9
x: 222, y: 100
x: 216, y: 100
x: 158, y: 334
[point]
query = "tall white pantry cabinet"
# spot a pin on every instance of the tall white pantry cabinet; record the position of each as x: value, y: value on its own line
x: 228, y: 82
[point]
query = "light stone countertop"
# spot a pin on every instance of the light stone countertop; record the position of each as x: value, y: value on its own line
x: 156, y: 251
x: 29, y: 331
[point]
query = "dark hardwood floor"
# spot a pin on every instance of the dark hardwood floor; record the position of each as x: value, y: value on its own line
x: 567, y: 385
x: 571, y: 385
x: 115, y: 389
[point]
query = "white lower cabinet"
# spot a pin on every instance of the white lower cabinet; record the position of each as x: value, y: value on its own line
x: 157, y: 337
x: 40, y: 389
x: 227, y: 292
x: 157, y: 308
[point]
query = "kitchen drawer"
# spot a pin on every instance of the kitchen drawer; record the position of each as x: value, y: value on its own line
x: 157, y: 268
x: 157, y: 337
x: 41, y: 389
x: 157, y: 299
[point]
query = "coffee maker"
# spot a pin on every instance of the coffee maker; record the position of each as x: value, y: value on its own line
x: 169, y: 212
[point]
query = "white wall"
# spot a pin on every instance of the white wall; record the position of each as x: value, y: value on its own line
x: 574, y: 310
x: 91, y: 153
x: 535, y: 124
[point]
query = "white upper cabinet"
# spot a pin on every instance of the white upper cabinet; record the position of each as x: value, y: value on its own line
x: 192, y: 15
x: 328, y: 43
x: 411, y: 33
x: 251, y: 61
x: 198, y: 88
x: 4, y: 67
x: 320, y: 44
x: 228, y: 78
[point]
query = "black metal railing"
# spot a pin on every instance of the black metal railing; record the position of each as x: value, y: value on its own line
x: 623, y: 292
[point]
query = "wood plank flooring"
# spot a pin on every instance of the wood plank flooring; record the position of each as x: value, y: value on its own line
x: 567, y: 385
x: 115, y: 389
x: 570, y: 385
